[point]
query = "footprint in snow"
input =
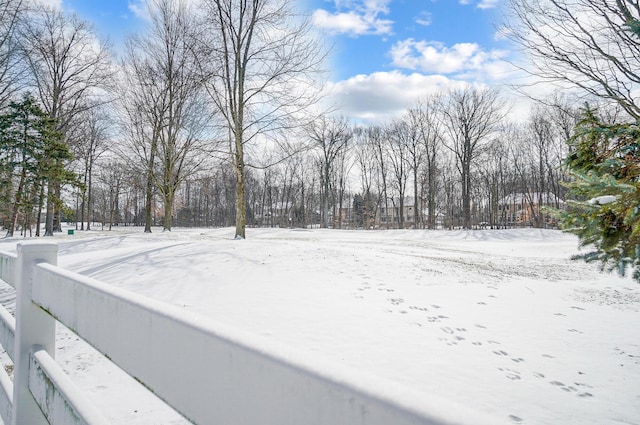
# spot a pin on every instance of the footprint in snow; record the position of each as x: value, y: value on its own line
x: 413, y: 307
x: 500, y: 353
x: 514, y: 375
x: 538, y: 374
x: 580, y: 384
x: 516, y: 419
x: 567, y: 388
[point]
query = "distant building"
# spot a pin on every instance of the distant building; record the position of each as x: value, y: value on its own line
x: 526, y: 209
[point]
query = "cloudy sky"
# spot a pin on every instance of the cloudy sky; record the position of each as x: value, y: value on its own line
x: 386, y: 53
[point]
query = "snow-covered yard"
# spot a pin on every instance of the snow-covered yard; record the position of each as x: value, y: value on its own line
x: 501, y: 321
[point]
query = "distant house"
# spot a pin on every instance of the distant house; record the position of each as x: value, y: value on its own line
x: 526, y: 209
x: 389, y: 215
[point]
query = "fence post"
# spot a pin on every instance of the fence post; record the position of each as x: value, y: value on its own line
x: 33, y: 327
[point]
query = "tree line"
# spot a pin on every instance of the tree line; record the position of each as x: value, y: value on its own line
x: 212, y: 116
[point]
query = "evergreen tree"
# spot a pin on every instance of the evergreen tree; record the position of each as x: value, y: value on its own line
x: 605, y: 161
x: 31, y: 151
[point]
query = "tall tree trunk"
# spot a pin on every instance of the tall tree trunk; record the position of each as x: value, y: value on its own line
x: 83, y: 204
x: 466, y: 194
x: 16, y: 205
x: 168, y: 212
x: 241, y: 199
x: 89, y: 197
x: 149, y: 189
x: 432, y: 196
x: 40, y: 206
x: 48, y: 226
x: 57, y: 208
x: 325, y: 199
x: 416, y: 204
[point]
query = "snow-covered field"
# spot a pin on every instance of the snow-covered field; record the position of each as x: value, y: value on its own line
x: 501, y: 321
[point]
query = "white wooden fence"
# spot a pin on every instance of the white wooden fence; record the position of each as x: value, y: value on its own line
x: 226, y: 377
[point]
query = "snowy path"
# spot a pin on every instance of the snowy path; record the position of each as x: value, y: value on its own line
x: 501, y: 321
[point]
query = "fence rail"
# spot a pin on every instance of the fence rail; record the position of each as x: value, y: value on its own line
x: 209, y: 372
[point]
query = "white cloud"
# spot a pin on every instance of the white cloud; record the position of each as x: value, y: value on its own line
x: 340, y: 23
x: 483, y: 4
x: 355, y: 17
x: 488, y: 4
x: 382, y: 95
x: 424, y: 18
x: 461, y: 59
x: 139, y: 9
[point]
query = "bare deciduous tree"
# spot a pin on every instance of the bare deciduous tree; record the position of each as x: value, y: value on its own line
x: 258, y: 56
x: 400, y: 136
x: 88, y: 140
x: 581, y: 43
x: 365, y: 159
x: 67, y: 65
x: 10, y: 71
x: 166, y: 113
x: 470, y: 116
x: 425, y: 117
x: 331, y: 136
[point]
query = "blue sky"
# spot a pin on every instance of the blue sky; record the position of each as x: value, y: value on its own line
x: 386, y: 53
x: 373, y: 35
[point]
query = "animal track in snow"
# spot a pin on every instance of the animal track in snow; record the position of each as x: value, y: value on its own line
x: 567, y: 388
x: 413, y: 307
x: 514, y: 375
x: 516, y: 419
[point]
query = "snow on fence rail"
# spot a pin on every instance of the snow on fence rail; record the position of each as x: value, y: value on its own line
x: 225, y: 376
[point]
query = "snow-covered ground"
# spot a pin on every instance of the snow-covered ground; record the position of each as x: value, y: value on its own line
x: 501, y: 321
